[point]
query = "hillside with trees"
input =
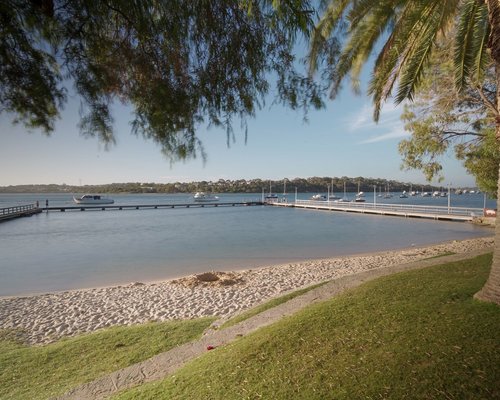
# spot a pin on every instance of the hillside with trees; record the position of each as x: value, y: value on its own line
x: 303, y: 185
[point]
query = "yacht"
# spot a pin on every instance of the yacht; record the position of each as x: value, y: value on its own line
x: 92, y: 199
x: 203, y: 197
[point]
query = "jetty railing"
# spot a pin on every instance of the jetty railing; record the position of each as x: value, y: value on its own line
x: 402, y: 210
x: 413, y: 208
x: 18, y: 211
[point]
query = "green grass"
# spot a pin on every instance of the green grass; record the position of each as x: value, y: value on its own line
x: 267, y: 305
x: 413, y: 335
x: 41, y: 372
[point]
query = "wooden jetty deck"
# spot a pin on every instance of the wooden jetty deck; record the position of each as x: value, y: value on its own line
x: 461, y: 214
x: 83, y: 207
x: 18, y: 211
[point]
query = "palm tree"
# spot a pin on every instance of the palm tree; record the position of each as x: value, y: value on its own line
x: 408, y: 31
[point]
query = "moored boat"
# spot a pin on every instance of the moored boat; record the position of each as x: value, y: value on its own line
x: 92, y: 199
x: 203, y: 197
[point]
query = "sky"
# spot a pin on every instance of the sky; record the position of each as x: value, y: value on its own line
x: 340, y: 140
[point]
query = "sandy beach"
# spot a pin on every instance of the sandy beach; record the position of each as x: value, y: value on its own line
x: 46, y: 318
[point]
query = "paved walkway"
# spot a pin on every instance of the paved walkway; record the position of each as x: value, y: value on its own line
x: 166, y: 363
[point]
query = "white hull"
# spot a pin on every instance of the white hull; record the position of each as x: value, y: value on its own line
x: 92, y: 199
x: 201, y: 197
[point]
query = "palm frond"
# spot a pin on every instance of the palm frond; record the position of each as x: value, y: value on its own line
x: 483, y: 58
x: 330, y: 20
x: 363, y: 40
x: 470, y: 41
x: 412, y: 41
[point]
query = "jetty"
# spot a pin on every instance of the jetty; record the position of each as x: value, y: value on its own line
x: 462, y: 214
x: 83, y: 207
x: 18, y: 211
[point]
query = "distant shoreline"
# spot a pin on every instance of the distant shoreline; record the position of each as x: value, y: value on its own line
x: 47, y: 317
x: 228, y: 186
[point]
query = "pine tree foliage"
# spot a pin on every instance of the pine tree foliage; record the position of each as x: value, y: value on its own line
x: 177, y: 64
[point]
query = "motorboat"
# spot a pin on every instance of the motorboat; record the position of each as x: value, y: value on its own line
x: 426, y: 194
x: 359, y: 199
x: 203, y: 197
x: 92, y: 199
x: 271, y: 196
x: 319, y: 197
x: 403, y: 195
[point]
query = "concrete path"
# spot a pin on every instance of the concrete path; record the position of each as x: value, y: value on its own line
x: 166, y: 363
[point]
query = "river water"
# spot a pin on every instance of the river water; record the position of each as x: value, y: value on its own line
x: 70, y: 250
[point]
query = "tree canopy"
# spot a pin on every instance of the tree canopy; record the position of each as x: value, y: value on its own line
x: 441, y: 118
x: 408, y: 32
x: 177, y: 63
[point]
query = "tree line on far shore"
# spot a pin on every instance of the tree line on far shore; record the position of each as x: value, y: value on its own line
x: 307, y: 185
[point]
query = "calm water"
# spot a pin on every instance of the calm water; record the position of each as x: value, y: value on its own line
x: 59, y: 251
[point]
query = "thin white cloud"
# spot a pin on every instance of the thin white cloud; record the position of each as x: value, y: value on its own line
x: 389, y: 126
x: 362, y: 119
x: 397, y: 132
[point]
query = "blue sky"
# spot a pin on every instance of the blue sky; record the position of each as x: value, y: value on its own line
x: 341, y: 140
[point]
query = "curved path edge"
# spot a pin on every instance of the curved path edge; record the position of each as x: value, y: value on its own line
x: 168, y: 362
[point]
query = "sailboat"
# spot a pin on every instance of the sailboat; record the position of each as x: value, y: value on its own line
x: 271, y: 196
x: 360, y: 196
x: 333, y: 196
x: 344, y: 199
x: 387, y: 195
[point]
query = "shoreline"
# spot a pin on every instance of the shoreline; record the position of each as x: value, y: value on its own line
x: 45, y: 318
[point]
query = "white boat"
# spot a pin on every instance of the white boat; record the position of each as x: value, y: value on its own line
x: 360, y: 193
x: 359, y: 199
x: 320, y: 197
x: 426, y: 194
x: 202, y: 196
x: 271, y: 196
x: 403, y: 195
x: 92, y: 199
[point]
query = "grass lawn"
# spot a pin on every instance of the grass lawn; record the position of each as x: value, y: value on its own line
x: 41, y: 372
x: 267, y: 305
x: 413, y: 335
